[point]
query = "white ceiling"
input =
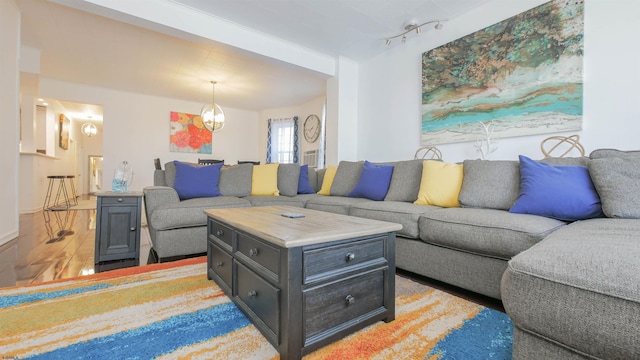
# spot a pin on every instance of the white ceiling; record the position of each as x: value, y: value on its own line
x: 84, y: 48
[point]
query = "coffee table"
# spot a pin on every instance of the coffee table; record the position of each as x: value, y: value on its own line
x: 303, y: 282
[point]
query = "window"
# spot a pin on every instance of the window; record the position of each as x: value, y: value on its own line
x: 282, y: 141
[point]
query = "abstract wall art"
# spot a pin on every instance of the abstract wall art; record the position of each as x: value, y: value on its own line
x: 188, y: 134
x: 63, y: 132
x: 522, y: 76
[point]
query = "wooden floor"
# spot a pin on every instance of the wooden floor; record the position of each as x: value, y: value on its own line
x: 60, y: 244
x: 54, y: 245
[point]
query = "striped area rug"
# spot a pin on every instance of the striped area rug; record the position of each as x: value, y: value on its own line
x: 171, y: 311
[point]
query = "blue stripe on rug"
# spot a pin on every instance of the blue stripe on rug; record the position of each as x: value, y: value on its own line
x: 14, y: 300
x: 488, y: 335
x: 162, y: 337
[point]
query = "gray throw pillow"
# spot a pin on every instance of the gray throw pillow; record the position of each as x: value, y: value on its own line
x: 490, y: 184
x: 346, y: 177
x: 607, y: 153
x: 236, y: 180
x: 405, y: 180
x: 288, y: 176
x: 313, y: 179
x: 617, y: 181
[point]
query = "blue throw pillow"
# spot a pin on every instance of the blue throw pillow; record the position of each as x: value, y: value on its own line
x: 196, y: 181
x: 560, y: 192
x: 373, y: 183
x: 304, y: 186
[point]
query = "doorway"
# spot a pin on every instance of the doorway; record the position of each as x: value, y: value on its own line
x: 95, y: 173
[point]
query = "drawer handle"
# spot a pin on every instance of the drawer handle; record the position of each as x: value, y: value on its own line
x: 350, y: 256
x: 219, y: 233
x: 252, y: 294
x: 350, y: 300
x: 133, y: 229
x: 120, y: 199
x: 254, y: 252
x: 219, y: 264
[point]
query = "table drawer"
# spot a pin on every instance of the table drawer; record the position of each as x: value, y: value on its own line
x: 221, y: 232
x: 118, y: 200
x: 336, y: 303
x: 340, y: 257
x: 221, y: 263
x: 260, y: 296
x: 260, y: 253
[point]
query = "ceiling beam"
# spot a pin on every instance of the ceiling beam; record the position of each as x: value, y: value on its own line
x: 190, y: 24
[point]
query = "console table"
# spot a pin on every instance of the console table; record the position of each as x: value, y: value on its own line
x: 118, y: 221
x: 303, y: 282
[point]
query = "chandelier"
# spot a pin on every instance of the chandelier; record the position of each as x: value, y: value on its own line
x: 212, y: 114
x: 89, y: 129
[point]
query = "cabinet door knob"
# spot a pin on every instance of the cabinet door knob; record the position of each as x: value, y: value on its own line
x: 120, y: 199
x: 254, y: 252
x: 219, y: 233
x: 350, y: 299
x: 219, y: 264
x: 133, y: 229
x: 350, y: 256
x: 252, y: 294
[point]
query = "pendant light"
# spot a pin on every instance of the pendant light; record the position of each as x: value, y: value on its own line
x: 212, y: 115
x: 89, y: 129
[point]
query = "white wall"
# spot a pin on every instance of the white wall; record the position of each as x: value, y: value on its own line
x: 9, y: 136
x: 390, y: 85
x: 302, y: 111
x: 136, y: 129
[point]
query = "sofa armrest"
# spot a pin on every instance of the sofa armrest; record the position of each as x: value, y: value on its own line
x: 154, y: 196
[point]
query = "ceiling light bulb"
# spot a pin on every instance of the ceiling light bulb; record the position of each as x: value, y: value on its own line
x: 404, y: 39
x: 418, y: 30
x: 388, y: 42
x: 438, y: 26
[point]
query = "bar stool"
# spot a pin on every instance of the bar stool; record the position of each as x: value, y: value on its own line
x: 58, y: 203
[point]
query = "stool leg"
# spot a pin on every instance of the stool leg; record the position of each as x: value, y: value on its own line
x: 47, y: 197
x: 74, y: 195
x: 65, y: 193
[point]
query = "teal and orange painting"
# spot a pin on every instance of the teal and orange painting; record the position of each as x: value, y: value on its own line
x: 523, y: 76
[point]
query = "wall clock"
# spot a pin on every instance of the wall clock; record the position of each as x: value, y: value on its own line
x: 312, y: 128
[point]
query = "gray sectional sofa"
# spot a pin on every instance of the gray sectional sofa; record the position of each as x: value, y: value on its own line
x: 571, y: 289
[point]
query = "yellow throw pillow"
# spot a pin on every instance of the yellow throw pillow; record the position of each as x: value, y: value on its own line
x: 264, y: 180
x: 440, y: 184
x: 329, y: 175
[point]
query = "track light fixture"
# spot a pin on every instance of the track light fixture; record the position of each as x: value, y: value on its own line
x: 410, y: 26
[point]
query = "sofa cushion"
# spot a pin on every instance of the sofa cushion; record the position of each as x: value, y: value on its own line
x: 196, y: 181
x: 304, y: 186
x: 487, y: 232
x: 190, y: 212
x: 288, y: 175
x: 346, y: 177
x: 257, y: 200
x: 440, y: 184
x: 373, y: 183
x: 264, y: 180
x: 580, y: 284
x: 327, y: 175
x: 400, y: 212
x: 490, y: 184
x: 617, y: 180
x: 560, y: 192
x: 607, y: 153
x: 236, y: 180
x: 333, y: 204
x: 405, y: 181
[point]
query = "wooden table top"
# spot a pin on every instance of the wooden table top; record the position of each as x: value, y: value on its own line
x: 267, y: 223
